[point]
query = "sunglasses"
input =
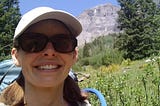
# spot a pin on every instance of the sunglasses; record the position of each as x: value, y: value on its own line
x: 36, y: 42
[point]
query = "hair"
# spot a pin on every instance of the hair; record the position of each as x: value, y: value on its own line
x: 14, y: 94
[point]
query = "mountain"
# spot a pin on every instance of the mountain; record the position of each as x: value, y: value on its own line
x: 98, y: 21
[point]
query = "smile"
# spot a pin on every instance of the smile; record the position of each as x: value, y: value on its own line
x: 48, y: 67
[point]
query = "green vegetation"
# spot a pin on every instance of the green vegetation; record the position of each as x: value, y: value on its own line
x: 133, y: 84
x: 139, y: 20
x: 99, y: 52
x: 123, y: 82
x: 9, y: 17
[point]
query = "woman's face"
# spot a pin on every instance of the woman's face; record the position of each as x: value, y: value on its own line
x: 48, y: 67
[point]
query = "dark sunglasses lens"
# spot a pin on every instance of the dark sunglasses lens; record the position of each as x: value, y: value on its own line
x: 64, y: 45
x: 32, y: 43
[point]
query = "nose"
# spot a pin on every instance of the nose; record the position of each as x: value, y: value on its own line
x: 49, y: 50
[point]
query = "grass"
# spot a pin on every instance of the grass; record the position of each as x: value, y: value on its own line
x: 133, y: 83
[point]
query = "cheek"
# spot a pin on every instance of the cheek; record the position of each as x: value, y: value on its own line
x: 20, y: 57
x: 25, y: 59
x: 69, y: 59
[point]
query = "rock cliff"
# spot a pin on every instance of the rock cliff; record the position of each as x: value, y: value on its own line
x: 98, y: 21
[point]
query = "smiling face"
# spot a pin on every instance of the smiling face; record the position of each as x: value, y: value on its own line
x: 47, y: 68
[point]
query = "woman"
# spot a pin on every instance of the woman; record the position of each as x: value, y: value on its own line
x: 44, y: 45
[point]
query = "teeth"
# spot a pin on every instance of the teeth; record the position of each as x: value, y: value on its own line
x: 48, y: 67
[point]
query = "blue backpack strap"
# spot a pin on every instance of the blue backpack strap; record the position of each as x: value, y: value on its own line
x: 8, y: 73
x: 98, y: 94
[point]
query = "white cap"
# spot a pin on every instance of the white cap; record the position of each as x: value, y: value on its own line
x: 43, y: 13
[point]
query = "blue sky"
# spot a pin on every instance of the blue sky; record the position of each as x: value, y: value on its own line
x: 75, y: 7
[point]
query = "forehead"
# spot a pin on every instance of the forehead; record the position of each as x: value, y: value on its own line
x: 48, y: 26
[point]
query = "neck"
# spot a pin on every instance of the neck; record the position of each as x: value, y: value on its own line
x: 44, y: 96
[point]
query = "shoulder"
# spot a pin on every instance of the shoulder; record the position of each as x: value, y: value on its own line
x: 85, y: 103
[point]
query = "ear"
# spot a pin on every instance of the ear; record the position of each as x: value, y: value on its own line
x: 14, y: 54
x: 75, y: 55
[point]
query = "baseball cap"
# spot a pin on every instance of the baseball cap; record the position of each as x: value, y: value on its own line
x: 42, y: 13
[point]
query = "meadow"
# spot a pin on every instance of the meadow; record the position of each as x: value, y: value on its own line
x: 128, y: 83
x: 134, y: 83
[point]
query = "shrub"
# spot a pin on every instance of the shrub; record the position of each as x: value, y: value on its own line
x: 112, y: 56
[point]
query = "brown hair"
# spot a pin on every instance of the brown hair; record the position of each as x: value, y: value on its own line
x: 13, y: 94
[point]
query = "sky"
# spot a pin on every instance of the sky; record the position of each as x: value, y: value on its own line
x: 75, y: 7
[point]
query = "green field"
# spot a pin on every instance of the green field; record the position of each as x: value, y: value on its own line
x: 133, y: 83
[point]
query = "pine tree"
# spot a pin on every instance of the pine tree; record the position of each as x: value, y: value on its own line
x: 9, y: 17
x: 87, y: 50
x: 140, y: 22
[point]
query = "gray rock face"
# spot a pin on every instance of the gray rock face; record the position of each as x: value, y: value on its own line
x: 98, y: 21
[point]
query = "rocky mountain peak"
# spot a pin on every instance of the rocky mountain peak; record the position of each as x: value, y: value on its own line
x: 98, y: 21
